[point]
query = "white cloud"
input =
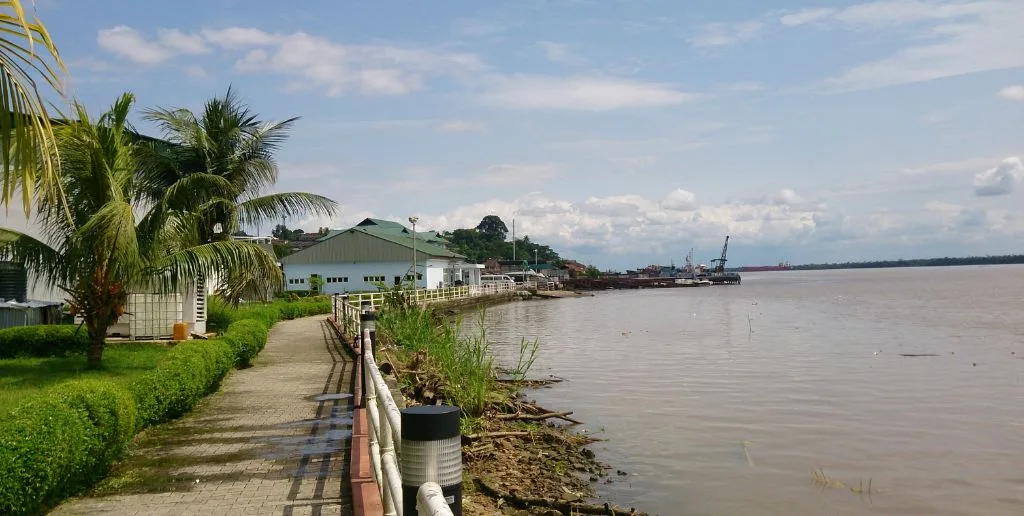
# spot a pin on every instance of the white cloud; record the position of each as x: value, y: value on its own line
x: 560, y: 53
x: 721, y: 34
x: 965, y: 38
x: 128, y: 43
x: 462, y: 126
x: 178, y: 41
x: 679, y: 200
x: 805, y: 16
x: 999, y: 180
x: 951, y: 167
x: 581, y: 93
x: 312, y: 62
x: 1014, y: 93
x: 239, y: 37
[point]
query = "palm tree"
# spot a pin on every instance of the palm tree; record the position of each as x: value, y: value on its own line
x: 221, y: 165
x: 27, y: 149
x: 103, y: 250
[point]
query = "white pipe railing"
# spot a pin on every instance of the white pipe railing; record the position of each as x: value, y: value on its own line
x: 430, y: 501
x: 436, y: 295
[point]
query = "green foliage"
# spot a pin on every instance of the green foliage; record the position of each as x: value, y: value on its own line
x: 247, y: 338
x: 220, y: 314
x: 58, y: 443
x: 22, y: 378
x: 487, y: 241
x: 48, y: 340
x: 922, y: 262
x: 592, y: 272
x: 188, y: 372
x: 464, y: 363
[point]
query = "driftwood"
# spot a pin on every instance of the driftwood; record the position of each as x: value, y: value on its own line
x: 485, y: 435
x: 919, y: 354
x: 567, y: 507
x: 540, y: 417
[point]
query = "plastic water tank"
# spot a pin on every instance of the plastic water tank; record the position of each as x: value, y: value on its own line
x: 13, y: 282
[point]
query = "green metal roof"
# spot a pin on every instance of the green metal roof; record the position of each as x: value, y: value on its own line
x: 406, y: 240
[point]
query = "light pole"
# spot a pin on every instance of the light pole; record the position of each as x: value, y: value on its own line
x: 413, y: 220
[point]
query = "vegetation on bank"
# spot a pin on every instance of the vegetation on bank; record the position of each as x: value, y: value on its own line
x: 62, y: 439
x: 921, y: 262
x: 513, y: 454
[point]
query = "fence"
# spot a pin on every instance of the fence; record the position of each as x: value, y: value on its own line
x: 426, y: 296
x: 384, y: 417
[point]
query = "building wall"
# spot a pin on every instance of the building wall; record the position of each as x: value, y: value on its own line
x: 297, y: 275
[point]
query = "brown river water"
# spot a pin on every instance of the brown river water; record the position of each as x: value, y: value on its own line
x: 725, y: 400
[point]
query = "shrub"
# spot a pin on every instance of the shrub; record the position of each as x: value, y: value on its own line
x: 220, y: 315
x: 60, y: 442
x: 64, y: 439
x: 187, y: 373
x: 48, y: 340
x: 247, y: 338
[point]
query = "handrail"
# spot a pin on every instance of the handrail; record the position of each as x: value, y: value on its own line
x: 384, y: 418
x: 430, y: 501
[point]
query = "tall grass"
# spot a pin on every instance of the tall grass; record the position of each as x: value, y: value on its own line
x: 464, y: 364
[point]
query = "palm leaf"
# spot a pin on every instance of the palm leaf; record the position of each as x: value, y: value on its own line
x: 28, y: 151
x: 217, y: 259
x: 273, y: 207
x: 34, y: 255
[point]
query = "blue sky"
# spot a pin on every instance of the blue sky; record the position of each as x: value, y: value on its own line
x: 621, y: 132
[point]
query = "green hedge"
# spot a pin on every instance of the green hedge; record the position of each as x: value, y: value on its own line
x: 247, y: 338
x: 63, y: 440
x: 48, y: 340
x: 57, y: 443
x: 220, y: 315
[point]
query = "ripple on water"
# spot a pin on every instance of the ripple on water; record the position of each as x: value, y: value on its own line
x: 804, y: 367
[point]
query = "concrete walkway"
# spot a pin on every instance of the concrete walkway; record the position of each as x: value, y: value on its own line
x: 273, y: 440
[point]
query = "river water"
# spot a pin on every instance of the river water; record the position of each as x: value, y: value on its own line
x: 724, y: 400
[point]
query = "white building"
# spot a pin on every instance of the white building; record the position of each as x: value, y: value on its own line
x: 377, y: 251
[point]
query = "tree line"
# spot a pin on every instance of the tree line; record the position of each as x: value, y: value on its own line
x: 920, y: 262
x: 489, y: 240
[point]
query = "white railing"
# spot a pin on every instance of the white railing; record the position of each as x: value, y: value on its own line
x: 435, y: 295
x: 384, y: 428
x: 430, y: 501
x: 385, y: 432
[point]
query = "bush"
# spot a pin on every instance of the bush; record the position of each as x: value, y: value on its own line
x: 247, y: 338
x: 220, y: 315
x: 61, y: 442
x: 48, y: 340
x: 188, y: 372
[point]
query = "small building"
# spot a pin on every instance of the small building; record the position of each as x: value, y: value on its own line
x: 377, y: 252
x: 29, y: 313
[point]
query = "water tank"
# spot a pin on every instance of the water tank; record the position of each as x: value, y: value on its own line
x: 13, y: 282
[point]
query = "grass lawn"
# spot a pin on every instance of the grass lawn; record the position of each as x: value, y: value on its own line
x: 23, y: 377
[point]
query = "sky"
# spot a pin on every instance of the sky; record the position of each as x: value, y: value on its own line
x: 621, y: 132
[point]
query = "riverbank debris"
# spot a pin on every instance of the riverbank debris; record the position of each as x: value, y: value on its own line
x: 746, y: 452
x: 825, y: 481
x: 564, y: 503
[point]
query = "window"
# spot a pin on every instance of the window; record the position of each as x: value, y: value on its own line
x: 373, y: 279
x: 337, y: 279
x: 419, y: 277
x: 297, y: 281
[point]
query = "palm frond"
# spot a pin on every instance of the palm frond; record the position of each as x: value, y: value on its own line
x: 34, y: 255
x: 28, y: 152
x: 217, y: 259
x: 274, y: 206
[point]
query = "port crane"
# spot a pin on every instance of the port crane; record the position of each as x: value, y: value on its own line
x: 719, y: 263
